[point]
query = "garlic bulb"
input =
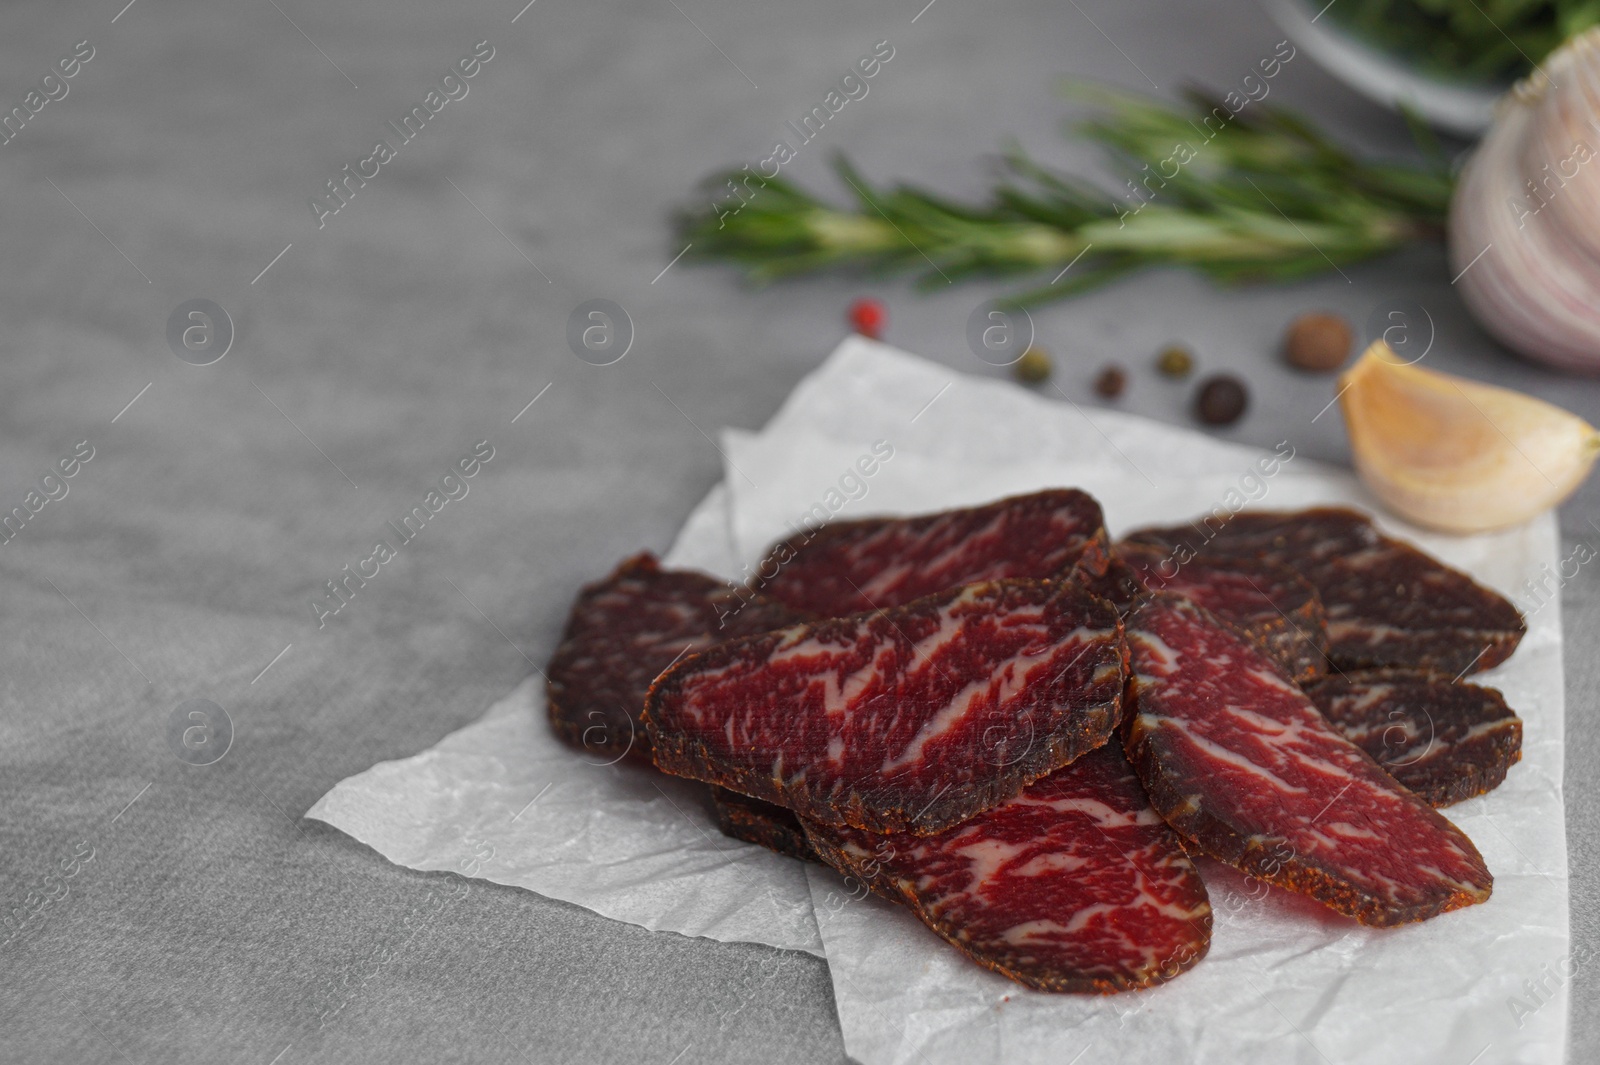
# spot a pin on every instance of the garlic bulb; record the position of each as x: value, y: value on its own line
x: 1459, y: 455
x: 1525, y: 218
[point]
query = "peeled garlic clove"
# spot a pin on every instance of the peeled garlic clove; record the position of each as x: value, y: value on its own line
x: 1525, y: 217
x: 1458, y: 455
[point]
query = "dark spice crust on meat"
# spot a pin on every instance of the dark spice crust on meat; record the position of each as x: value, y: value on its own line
x: 1109, y: 577
x: 1297, y: 641
x: 625, y: 629
x: 870, y: 875
x: 1418, y: 706
x: 684, y: 755
x: 761, y: 823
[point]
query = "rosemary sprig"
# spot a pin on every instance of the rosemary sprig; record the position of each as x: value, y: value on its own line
x: 1254, y: 195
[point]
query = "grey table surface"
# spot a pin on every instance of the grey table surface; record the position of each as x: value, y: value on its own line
x: 213, y: 923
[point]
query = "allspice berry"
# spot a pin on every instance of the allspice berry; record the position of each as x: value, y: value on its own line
x: 1175, y: 361
x: 1221, y: 400
x: 1111, y: 382
x: 1317, y: 342
x: 1034, y: 366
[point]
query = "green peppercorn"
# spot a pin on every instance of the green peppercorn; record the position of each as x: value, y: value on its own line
x: 1175, y: 361
x: 1034, y: 367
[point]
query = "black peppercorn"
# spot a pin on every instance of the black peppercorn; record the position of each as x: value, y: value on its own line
x: 1221, y: 400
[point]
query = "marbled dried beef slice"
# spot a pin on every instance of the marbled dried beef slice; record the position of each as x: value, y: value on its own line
x: 910, y: 719
x: 877, y: 563
x: 1073, y: 885
x: 1445, y: 740
x: 1393, y: 605
x: 1241, y: 763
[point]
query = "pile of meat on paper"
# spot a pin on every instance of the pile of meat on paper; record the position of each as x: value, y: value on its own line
x: 1022, y: 732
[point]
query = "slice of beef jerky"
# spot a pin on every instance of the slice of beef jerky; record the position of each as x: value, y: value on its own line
x: 1388, y: 604
x: 877, y: 563
x: 762, y: 823
x: 1270, y: 602
x: 1444, y: 740
x: 1241, y: 763
x: 623, y: 631
x: 1073, y: 885
x: 910, y: 719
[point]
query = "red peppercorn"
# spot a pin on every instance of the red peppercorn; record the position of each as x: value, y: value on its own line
x: 867, y: 317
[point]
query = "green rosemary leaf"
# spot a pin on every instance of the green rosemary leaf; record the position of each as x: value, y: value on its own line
x: 1255, y: 195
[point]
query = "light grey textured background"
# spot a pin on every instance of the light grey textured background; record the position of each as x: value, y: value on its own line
x: 212, y: 924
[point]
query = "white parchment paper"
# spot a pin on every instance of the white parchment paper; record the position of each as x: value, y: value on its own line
x: 504, y: 800
x: 1286, y: 981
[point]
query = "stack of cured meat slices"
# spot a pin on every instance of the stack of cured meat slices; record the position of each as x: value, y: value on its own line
x: 1022, y: 732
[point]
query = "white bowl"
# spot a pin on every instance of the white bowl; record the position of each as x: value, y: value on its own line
x: 1462, y: 108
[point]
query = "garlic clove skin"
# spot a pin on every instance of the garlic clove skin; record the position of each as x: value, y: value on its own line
x: 1457, y: 455
x: 1525, y: 217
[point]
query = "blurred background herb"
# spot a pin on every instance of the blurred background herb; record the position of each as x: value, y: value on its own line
x: 1252, y: 194
x: 1467, y: 40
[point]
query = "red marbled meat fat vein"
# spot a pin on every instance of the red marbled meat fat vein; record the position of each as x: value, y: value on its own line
x: 1239, y: 761
x: 876, y: 563
x: 911, y: 719
x: 1075, y: 884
